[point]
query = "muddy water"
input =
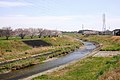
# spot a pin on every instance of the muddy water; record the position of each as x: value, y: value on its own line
x: 23, y: 73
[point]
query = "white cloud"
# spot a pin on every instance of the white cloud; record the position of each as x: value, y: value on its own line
x: 13, y: 4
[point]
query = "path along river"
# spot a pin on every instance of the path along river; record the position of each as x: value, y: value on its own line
x: 23, y: 73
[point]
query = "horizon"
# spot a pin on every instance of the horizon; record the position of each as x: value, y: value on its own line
x: 68, y: 15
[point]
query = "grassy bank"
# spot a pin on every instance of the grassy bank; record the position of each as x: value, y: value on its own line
x: 59, y: 46
x: 9, y: 46
x: 21, y: 64
x: 13, y: 49
x: 32, y: 61
x: 91, y: 68
x: 109, y: 43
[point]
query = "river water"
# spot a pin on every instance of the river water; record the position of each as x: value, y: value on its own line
x: 23, y: 73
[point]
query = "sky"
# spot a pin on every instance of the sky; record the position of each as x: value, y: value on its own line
x: 64, y: 15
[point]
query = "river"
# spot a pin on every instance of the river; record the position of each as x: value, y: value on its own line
x: 23, y: 73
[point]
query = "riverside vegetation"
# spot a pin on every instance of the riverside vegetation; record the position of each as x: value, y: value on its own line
x: 109, y: 43
x: 15, y: 48
x: 91, y: 68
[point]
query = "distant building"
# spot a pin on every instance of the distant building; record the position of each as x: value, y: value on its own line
x: 93, y: 32
x: 107, y: 32
x: 116, y: 32
x: 88, y: 32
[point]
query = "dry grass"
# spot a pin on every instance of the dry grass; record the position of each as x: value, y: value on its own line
x: 111, y: 75
x: 38, y: 50
x: 116, y: 38
x: 27, y: 53
x: 72, y: 39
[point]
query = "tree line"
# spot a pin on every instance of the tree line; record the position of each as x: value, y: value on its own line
x: 31, y: 32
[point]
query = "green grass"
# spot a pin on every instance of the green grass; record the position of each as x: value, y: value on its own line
x: 13, y: 46
x: 87, y: 69
x: 21, y: 64
x: 75, y: 35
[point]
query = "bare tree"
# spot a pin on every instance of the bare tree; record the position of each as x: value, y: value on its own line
x: 44, y: 32
x: 7, y: 32
x: 32, y: 32
x: 21, y: 32
x: 55, y: 33
x: 49, y: 33
x: 40, y: 31
x: 1, y: 32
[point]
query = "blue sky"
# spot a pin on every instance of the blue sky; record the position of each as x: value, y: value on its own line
x: 66, y: 15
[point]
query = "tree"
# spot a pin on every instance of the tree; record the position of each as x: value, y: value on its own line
x: 22, y: 32
x: 55, y: 33
x: 40, y: 32
x: 44, y: 32
x: 49, y: 33
x: 1, y: 32
x: 7, y: 32
x: 32, y: 32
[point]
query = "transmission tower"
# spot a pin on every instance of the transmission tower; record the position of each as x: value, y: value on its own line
x: 104, y: 23
x: 82, y: 27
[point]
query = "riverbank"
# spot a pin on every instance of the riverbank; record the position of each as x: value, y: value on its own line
x: 11, y: 49
x: 90, y: 68
x: 108, y: 42
x: 77, y: 54
x: 63, y: 68
x: 104, y: 65
x: 37, y: 56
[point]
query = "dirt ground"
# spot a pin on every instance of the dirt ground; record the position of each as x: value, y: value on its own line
x: 107, y: 54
